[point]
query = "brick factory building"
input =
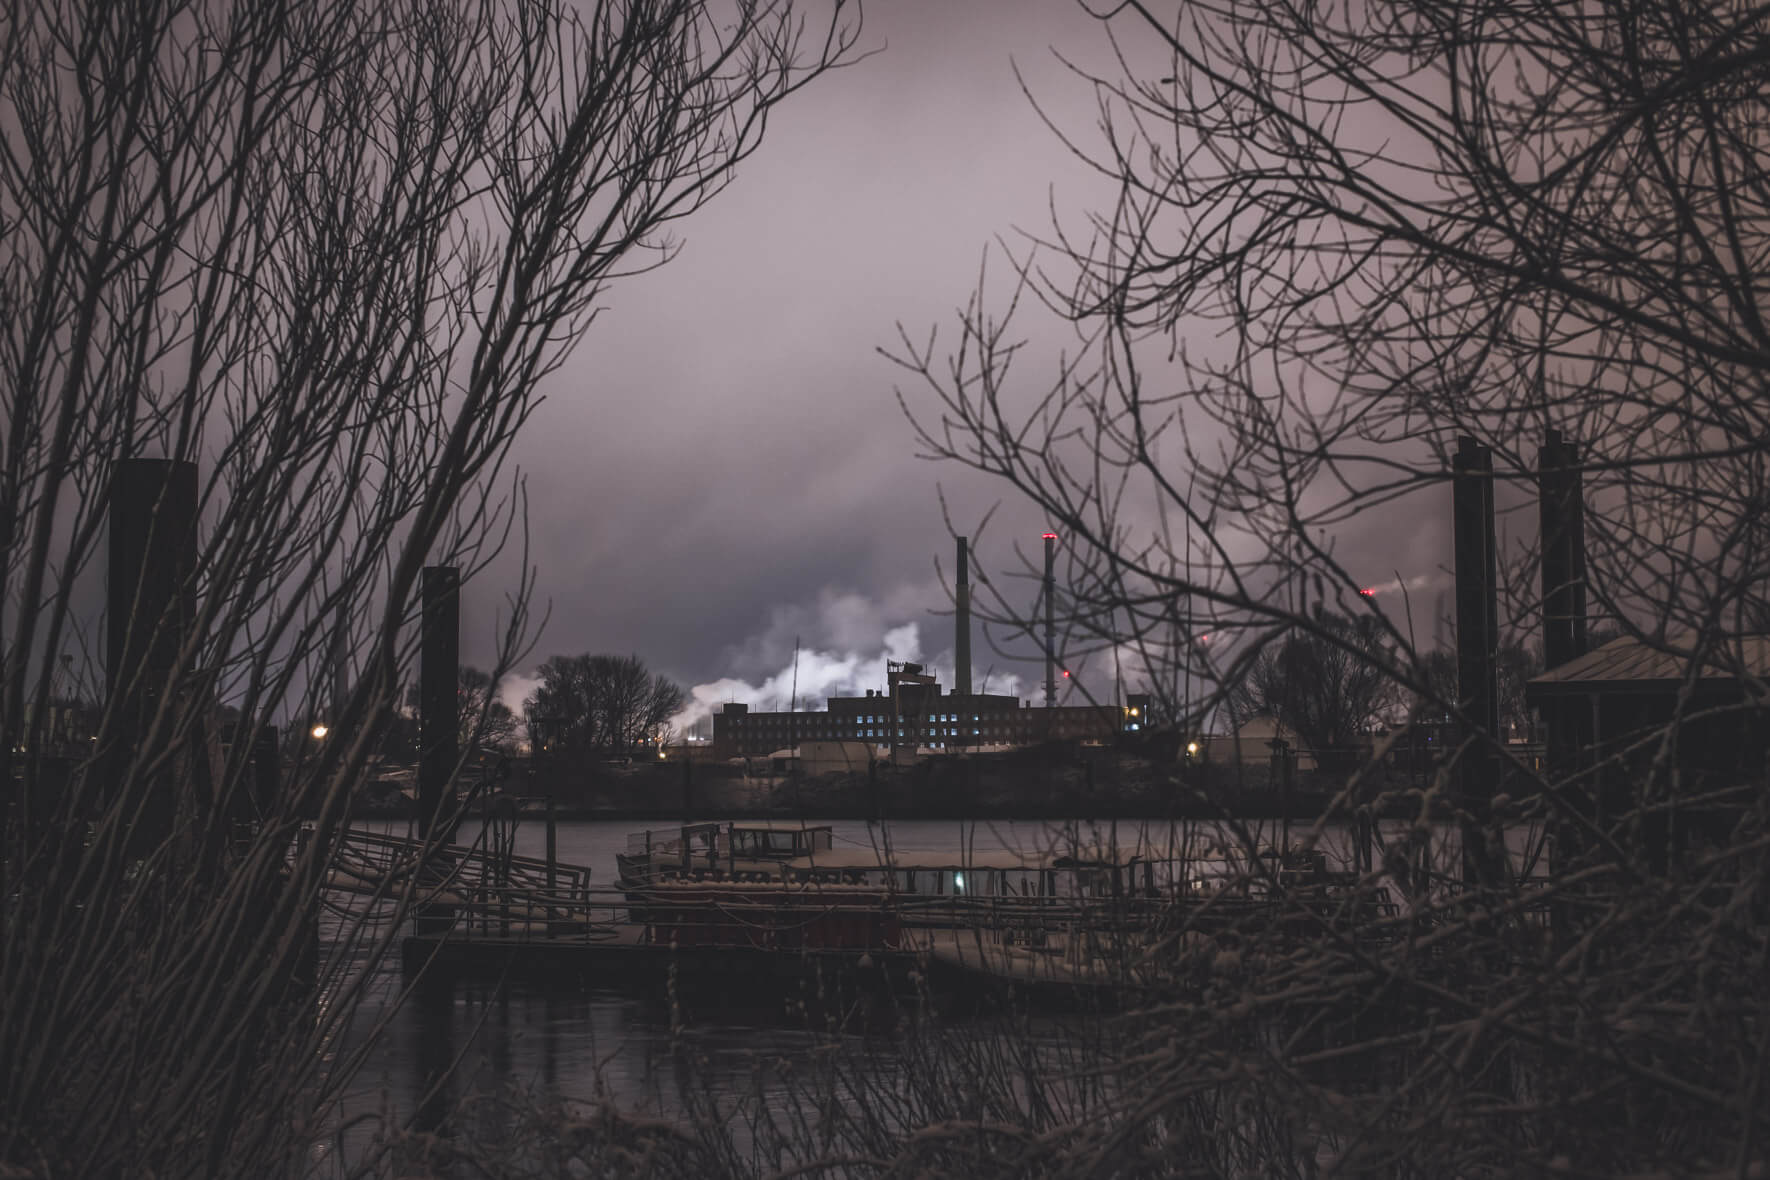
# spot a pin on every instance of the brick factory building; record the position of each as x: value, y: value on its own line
x: 913, y: 713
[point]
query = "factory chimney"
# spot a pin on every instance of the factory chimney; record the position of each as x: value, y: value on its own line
x: 962, y: 623
x: 1050, y: 625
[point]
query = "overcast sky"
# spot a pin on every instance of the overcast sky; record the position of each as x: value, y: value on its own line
x: 722, y: 468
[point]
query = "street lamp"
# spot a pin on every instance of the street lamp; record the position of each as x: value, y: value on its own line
x: 545, y: 733
x: 319, y: 731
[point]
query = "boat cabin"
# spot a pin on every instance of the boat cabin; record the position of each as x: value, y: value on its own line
x: 777, y: 841
x: 721, y: 848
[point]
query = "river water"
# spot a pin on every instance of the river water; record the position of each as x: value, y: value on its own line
x: 641, y: 1053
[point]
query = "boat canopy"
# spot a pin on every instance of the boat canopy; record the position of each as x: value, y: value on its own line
x: 876, y: 858
x: 749, y: 840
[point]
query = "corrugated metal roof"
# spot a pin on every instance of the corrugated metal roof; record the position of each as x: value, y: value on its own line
x: 1630, y: 661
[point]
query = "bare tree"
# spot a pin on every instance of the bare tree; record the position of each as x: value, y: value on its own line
x: 590, y: 706
x: 486, y: 722
x: 1329, y: 683
x: 327, y: 254
x: 1515, y: 665
x: 1344, y: 239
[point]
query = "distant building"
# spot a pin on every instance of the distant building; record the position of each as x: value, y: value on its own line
x: 1138, y: 716
x: 1259, y: 741
x: 913, y: 713
x: 69, y: 728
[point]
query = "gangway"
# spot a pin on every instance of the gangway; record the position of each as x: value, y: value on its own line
x: 378, y: 863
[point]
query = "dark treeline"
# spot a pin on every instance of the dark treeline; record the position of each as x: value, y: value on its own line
x: 592, y: 705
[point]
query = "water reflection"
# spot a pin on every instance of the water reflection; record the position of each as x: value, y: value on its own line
x: 702, y: 1055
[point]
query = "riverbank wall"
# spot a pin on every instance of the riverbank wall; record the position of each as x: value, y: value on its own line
x: 1043, y: 782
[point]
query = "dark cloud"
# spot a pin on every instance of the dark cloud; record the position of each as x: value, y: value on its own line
x: 722, y: 466
x: 722, y: 461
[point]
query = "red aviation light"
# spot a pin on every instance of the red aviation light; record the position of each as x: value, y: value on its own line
x: 1369, y: 592
x: 1066, y: 673
x: 1050, y: 536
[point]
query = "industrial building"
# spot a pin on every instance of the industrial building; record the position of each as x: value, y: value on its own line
x: 926, y: 719
x: 913, y: 713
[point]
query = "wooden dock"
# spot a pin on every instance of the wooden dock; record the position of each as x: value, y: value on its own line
x: 511, y: 918
x: 628, y: 959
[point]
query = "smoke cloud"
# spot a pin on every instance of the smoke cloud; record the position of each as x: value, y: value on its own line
x: 844, y: 642
x: 1430, y: 581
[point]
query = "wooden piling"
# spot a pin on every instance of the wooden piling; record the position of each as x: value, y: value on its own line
x: 1478, y: 641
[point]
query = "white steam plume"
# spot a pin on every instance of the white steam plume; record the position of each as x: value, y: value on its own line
x: 826, y: 673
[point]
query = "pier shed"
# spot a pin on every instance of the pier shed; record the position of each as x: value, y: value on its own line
x: 1659, y: 728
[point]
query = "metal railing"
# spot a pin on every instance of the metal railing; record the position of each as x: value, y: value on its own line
x: 371, y: 861
x: 557, y: 917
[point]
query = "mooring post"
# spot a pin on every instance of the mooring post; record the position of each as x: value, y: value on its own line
x: 438, y: 701
x: 1561, y: 515
x: 687, y: 786
x: 1287, y: 763
x: 151, y: 603
x: 1478, y: 641
x: 552, y: 848
x: 433, y: 1055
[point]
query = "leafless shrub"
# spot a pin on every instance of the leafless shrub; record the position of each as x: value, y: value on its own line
x: 1345, y: 238
x: 326, y: 253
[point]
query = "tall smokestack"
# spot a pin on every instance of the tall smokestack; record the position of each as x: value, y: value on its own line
x: 962, y: 623
x: 1050, y: 624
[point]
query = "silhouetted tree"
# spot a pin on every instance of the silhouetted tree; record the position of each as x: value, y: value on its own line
x: 1344, y: 238
x: 1328, y: 683
x: 487, y: 723
x: 1515, y: 664
x: 594, y: 705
